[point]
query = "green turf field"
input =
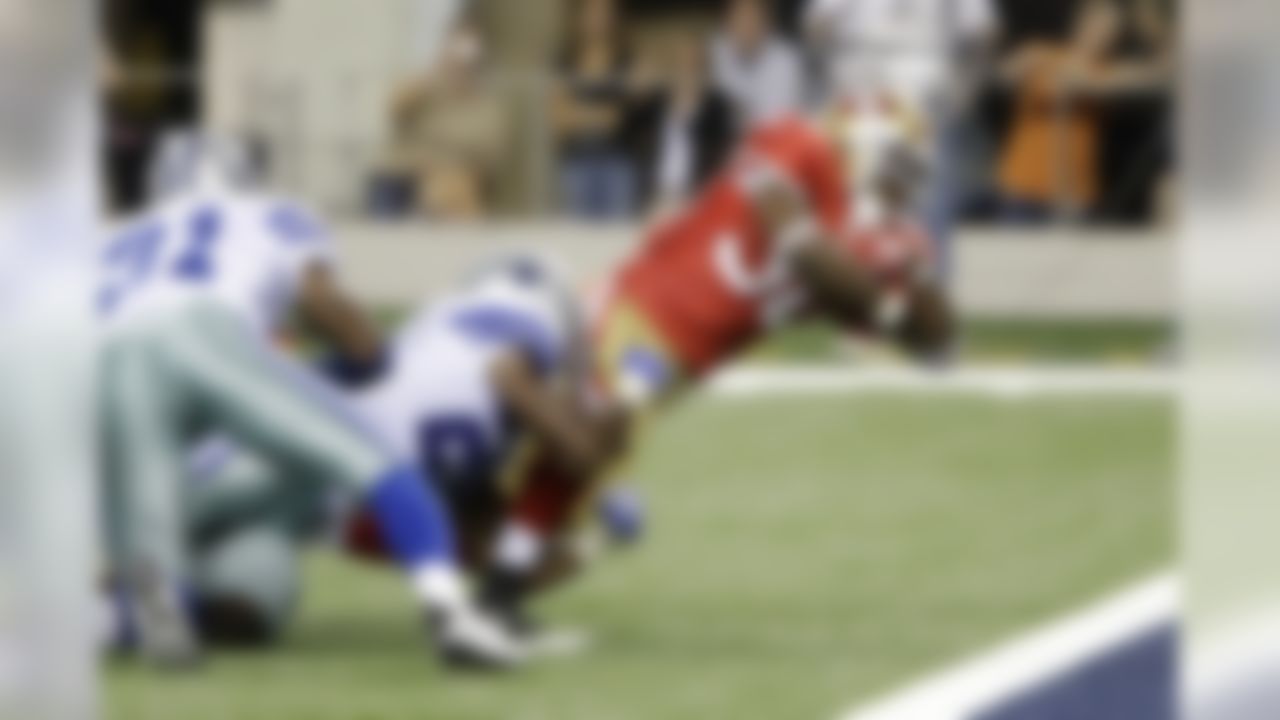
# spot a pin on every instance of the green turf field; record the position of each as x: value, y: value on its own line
x: 984, y: 340
x: 805, y: 554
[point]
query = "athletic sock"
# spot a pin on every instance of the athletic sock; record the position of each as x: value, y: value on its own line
x: 516, y: 557
x: 518, y: 549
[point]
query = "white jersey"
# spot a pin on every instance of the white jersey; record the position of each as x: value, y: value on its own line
x: 902, y: 48
x: 245, y: 251
x: 437, y: 402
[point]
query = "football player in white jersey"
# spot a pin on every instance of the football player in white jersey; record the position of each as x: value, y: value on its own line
x: 489, y: 364
x: 472, y: 372
x: 191, y: 295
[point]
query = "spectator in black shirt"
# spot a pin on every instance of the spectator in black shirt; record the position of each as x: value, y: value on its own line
x: 594, y: 91
x: 686, y: 128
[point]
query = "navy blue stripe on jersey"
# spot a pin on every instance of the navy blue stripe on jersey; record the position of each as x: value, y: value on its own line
x: 457, y: 449
x: 204, y: 229
x: 505, y: 326
x: 293, y: 224
x: 353, y: 373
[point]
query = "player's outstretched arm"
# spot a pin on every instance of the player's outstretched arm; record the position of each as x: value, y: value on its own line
x: 584, y: 444
x: 328, y: 310
x: 917, y: 316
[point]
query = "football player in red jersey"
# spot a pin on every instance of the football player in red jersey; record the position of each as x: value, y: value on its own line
x: 809, y: 218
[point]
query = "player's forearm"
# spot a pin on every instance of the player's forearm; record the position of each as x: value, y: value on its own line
x: 340, y: 322
x: 832, y: 281
x: 551, y: 420
x: 918, y: 317
x: 573, y: 440
x: 352, y: 333
x: 836, y: 285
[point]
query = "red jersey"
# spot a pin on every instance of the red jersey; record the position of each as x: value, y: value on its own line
x: 710, y: 279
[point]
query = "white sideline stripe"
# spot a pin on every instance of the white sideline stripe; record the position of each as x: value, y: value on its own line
x: 1000, y: 382
x: 981, y: 682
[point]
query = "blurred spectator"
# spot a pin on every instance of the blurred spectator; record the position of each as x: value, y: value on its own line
x: 449, y: 137
x: 926, y: 53
x: 1051, y: 159
x: 931, y: 57
x: 688, y: 125
x: 595, y: 87
x: 149, y: 85
x: 1138, y: 149
x: 759, y: 70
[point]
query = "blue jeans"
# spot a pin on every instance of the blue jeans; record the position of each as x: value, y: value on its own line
x: 598, y: 186
x: 938, y: 196
x: 1021, y: 212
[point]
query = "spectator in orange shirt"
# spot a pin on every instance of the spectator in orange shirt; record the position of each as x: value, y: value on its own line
x: 1050, y: 161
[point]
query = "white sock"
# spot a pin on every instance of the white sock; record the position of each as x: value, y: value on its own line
x: 439, y: 586
x: 519, y: 548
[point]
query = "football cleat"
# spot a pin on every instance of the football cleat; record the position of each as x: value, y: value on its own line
x: 165, y: 635
x: 468, y: 639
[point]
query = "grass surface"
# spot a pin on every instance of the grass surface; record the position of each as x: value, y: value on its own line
x: 805, y: 555
x: 996, y: 340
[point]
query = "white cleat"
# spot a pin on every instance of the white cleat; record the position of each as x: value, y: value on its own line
x: 166, y: 636
x: 468, y: 639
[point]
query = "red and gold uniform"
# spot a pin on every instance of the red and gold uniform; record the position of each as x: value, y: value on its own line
x: 709, y: 281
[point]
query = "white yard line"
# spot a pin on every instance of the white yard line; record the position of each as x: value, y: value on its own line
x: 1013, y: 383
x: 980, y: 682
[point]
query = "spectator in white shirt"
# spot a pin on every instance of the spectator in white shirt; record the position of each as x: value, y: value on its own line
x: 919, y: 50
x: 929, y: 57
x: 757, y: 69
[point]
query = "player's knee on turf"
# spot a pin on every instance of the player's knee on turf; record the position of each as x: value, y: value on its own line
x: 246, y: 588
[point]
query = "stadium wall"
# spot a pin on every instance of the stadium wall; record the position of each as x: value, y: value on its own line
x: 289, y: 73
x: 999, y: 273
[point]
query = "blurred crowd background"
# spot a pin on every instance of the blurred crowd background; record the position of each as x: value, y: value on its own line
x: 1041, y: 113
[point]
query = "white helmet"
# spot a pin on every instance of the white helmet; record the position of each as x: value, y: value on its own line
x: 189, y: 162
x: 537, y: 287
